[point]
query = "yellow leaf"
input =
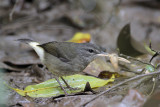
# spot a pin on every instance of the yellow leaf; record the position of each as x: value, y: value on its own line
x: 80, y: 37
x: 51, y: 88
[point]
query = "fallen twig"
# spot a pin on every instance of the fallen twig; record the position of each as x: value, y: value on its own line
x: 154, y: 84
x: 18, y: 4
x: 13, y: 10
x: 156, y: 53
x: 121, y: 83
x: 129, y: 57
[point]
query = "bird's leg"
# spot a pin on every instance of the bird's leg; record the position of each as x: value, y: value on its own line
x: 66, y: 94
x: 68, y: 86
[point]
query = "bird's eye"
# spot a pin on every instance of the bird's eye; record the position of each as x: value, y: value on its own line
x: 91, y: 50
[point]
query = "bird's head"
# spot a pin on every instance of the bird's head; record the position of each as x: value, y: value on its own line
x: 87, y: 52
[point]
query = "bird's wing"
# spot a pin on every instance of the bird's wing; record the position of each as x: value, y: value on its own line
x: 53, y: 48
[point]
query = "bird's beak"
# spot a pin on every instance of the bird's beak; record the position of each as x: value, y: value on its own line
x: 103, y: 54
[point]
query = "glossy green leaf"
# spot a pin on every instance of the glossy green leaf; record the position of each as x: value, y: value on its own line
x: 51, y: 88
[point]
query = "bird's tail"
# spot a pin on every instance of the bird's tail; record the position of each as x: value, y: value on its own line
x: 35, y: 45
x: 25, y: 40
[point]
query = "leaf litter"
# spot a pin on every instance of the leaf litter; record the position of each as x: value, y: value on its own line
x: 17, y: 63
x: 51, y: 88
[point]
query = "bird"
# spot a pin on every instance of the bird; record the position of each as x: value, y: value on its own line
x: 65, y: 58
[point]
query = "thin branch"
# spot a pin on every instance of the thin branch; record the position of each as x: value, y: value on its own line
x: 154, y: 84
x: 129, y: 57
x: 156, y: 52
x: 121, y: 83
x: 150, y: 46
x: 13, y: 10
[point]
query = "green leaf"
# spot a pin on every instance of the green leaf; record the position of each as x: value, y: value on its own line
x: 149, y: 68
x: 149, y: 50
x: 51, y: 88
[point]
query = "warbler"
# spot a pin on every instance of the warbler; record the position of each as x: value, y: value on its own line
x: 65, y: 58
